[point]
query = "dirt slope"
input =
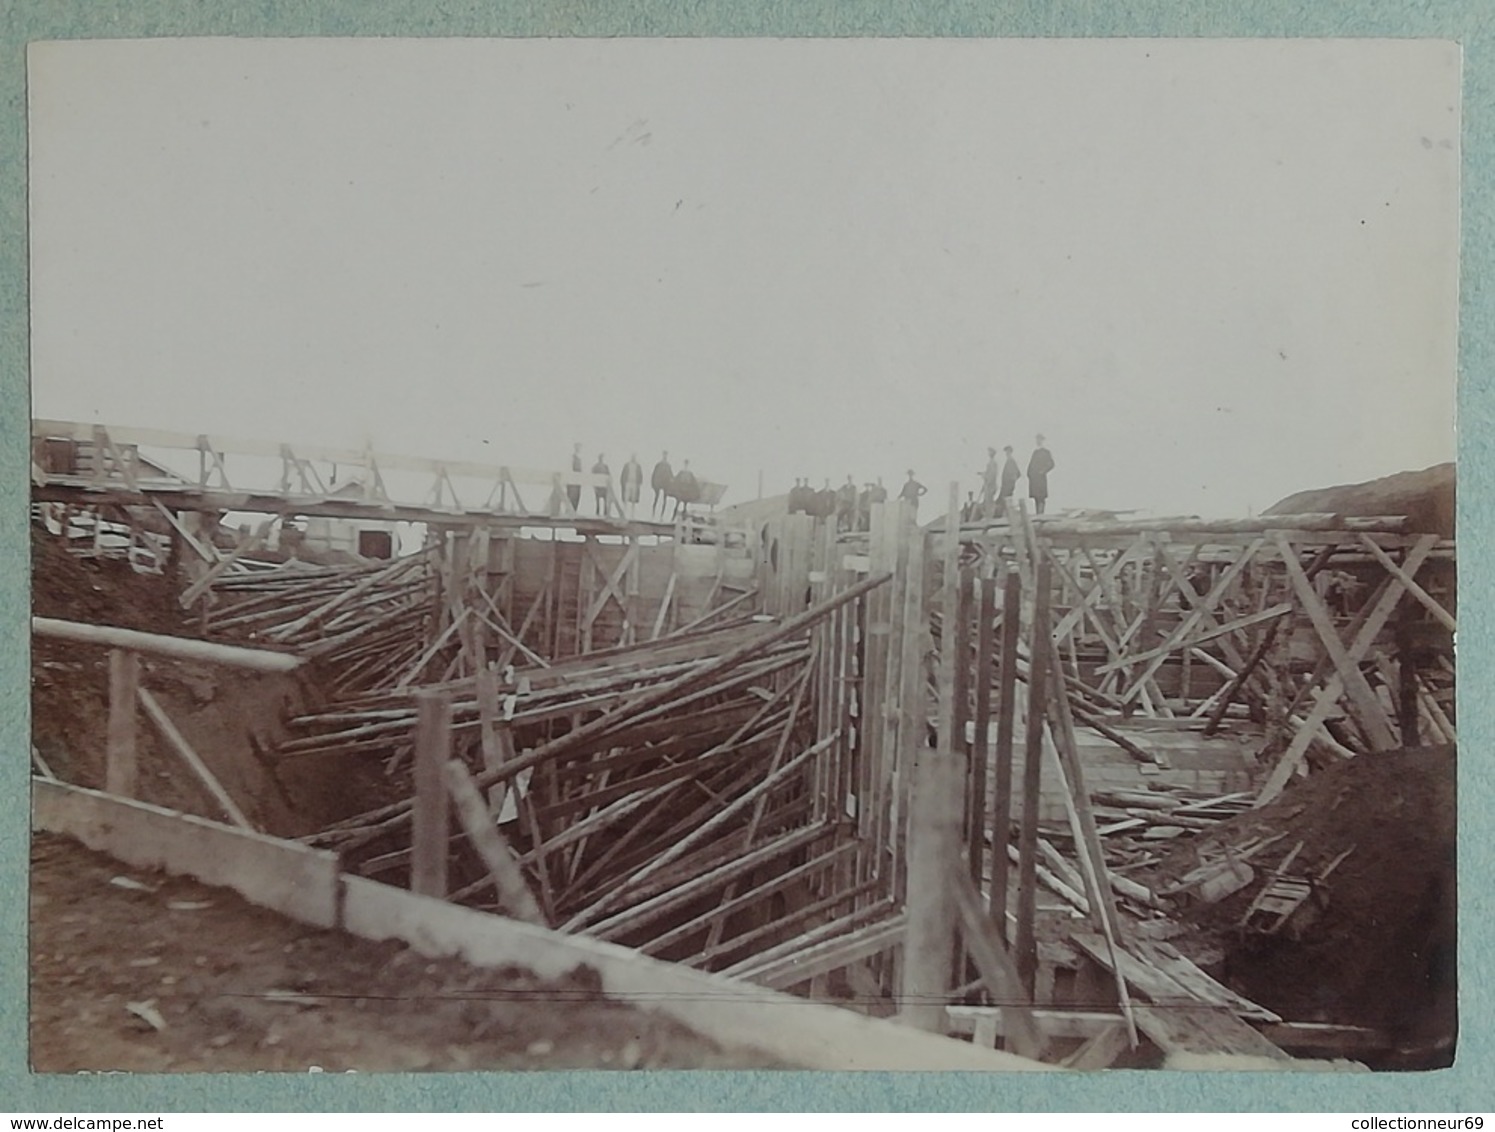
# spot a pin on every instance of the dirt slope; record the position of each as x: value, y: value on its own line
x: 1377, y: 948
x: 235, y: 988
x: 1426, y: 497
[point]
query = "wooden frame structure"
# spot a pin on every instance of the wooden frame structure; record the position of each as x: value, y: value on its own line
x: 840, y: 763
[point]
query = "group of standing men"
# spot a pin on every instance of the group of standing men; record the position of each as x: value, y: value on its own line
x: 851, y: 508
x: 999, y: 481
x: 668, y: 484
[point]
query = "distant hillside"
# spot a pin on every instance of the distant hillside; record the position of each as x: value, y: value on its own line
x: 1425, y: 497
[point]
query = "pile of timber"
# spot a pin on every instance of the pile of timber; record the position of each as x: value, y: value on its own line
x: 531, y: 703
x: 670, y: 796
x: 364, y: 623
x: 1164, y: 812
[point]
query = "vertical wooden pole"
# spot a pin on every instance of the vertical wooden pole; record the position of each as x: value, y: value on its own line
x: 493, y: 743
x: 950, y: 659
x: 430, y: 816
x: 1001, y: 812
x: 120, y: 765
x: 985, y: 672
x: 950, y: 740
x: 1406, y: 668
x: 933, y: 859
x: 635, y: 569
x: 1026, y: 945
x: 963, y: 610
x: 913, y: 712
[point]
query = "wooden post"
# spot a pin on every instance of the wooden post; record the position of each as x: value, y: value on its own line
x: 963, y: 609
x: 1025, y: 943
x: 120, y: 772
x: 1003, y: 984
x: 1361, y: 701
x: 933, y: 862
x: 985, y: 672
x: 178, y: 743
x: 913, y: 714
x: 431, y: 816
x: 1001, y: 812
x: 513, y: 893
x: 1408, y: 717
x: 1096, y: 879
x: 494, y: 735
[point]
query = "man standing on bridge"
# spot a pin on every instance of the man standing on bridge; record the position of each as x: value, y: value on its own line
x: 631, y: 481
x: 573, y: 490
x: 912, y: 490
x: 661, y: 480
x: 1010, y: 475
x: 600, y: 468
x: 989, y: 477
x: 846, y: 505
x: 1039, y: 466
x: 686, y: 489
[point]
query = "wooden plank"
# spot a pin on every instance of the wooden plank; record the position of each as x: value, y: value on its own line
x: 282, y: 875
x: 1100, y: 1049
x: 980, y: 755
x: 832, y: 954
x: 247, y: 543
x: 1052, y: 1021
x: 342, y: 597
x: 1182, y: 970
x: 1025, y: 942
x: 1220, y: 630
x: 472, y: 812
x: 1076, y: 798
x: 1003, y: 983
x: 208, y: 553
x: 933, y: 859
x: 1204, y: 1030
x: 183, y: 750
x: 1103, y: 588
x: 41, y: 764
x: 1176, y: 1019
x: 1445, y: 618
x: 121, y: 763
x: 158, y: 644
x: 1203, y: 610
x: 1435, y: 710
x: 1364, y: 705
x: 1328, y: 696
x: 1001, y: 805
x: 734, y: 901
x: 593, y: 913
x: 611, y: 586
x: 495, y: 746
x: 913, y: 718
x: 430, y: 817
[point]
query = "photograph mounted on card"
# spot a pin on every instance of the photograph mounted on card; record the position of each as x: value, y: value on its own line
x: 667, y: 553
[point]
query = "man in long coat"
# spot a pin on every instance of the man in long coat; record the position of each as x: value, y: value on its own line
x: 1040, y: 464
x: 661, y: 480
x: 631, y: 480
x: 1011, y: 473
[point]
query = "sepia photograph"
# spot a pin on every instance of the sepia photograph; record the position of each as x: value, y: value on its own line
x: 834, y: 554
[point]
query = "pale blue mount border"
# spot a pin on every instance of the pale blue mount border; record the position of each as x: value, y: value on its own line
x: 1468, y: 1087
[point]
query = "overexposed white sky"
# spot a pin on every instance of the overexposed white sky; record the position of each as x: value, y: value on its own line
x: 1210, y: 272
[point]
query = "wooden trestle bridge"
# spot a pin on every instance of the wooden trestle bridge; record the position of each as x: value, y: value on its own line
x: 842, y: 764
